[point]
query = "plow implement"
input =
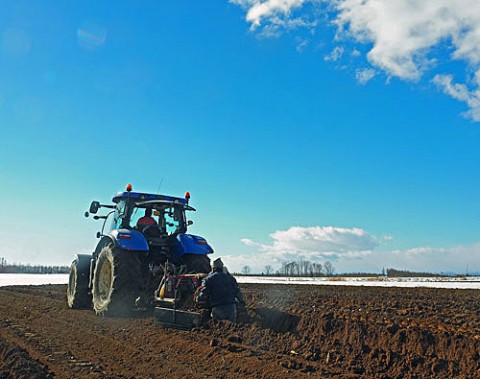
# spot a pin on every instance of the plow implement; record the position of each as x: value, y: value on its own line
x: 172, y: 318
x: 176, y: 294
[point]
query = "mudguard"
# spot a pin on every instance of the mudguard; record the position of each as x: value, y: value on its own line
x: 83, y: 262
x: 129, y: 239
x: 191, y: 244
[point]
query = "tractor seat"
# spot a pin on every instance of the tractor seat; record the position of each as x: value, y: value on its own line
x: 157, y: 241
x: 150, y: 230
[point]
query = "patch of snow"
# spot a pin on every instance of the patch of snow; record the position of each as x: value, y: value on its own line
x: 434, y: 282
x: 470, y: 282
x: 32, y: 279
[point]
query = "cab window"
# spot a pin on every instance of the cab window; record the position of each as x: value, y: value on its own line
x: 118, y: 214
x: 174, y: 220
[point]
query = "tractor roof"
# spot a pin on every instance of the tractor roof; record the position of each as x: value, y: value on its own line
x: 148, y: 196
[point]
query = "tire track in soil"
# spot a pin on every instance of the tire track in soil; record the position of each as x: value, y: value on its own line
x: 16, y: 362
x: 48, y: 334
x: 82, y: 356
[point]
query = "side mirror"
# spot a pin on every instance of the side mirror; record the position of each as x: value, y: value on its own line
x: 94, y: 207
x: 99, y: 234
x: 86, y: 214
x: 189, y: 222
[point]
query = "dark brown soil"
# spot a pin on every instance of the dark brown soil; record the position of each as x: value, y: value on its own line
x: 286, y: 331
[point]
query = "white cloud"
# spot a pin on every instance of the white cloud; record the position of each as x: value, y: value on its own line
x: 400, y: 31
x: 356, y: 53
x: 335, y: 54
x: 318, y: 239
x: 258, y: 10
x: 301, y: 44
x: 353, y: 250
x: 364, y: 75
x: 316, y: 244
x: 456, y: 259
x: 421, y: 251
x: 405, y: 38
x: 462, y: 93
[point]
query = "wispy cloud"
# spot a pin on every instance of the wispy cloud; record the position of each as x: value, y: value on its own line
x: 91, y: 37
x: 335, y: 54
x: 269, y: 9
x: 364, y: 75
x: 457, y: 259
x: 301, y: 44
x: 405, y: 39
x: 462, y: 93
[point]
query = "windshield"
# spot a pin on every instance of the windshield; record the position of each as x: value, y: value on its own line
x: 169, y: 219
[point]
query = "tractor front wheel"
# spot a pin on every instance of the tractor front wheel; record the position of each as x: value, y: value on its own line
x: 117, y: 282
x: 78, y: 294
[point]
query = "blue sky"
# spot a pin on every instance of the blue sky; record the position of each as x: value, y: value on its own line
x: 302, y: 130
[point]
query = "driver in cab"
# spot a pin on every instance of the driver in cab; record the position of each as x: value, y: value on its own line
x: 147, y: 219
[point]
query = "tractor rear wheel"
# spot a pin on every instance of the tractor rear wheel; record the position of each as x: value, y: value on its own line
x: 78, y: 294
x: 197, y: 263
x: 117, y: 282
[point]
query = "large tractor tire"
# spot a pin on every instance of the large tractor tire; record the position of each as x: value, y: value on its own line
x: 78, y: 293
x: 197, y: 263
x: 117, y: 282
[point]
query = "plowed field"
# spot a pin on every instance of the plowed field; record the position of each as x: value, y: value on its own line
x: 285, y: 331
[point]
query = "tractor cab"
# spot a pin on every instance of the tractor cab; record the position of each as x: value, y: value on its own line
x: 154, y: 224
x: 154, y: 217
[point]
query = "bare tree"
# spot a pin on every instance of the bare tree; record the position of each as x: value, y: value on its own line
x: 329, y: 269
x: 317, y: 269
x: 246, y: 270
x: 295, y: 268
x: 268, y: 269
x: 287, y: 268
x: 304, y: 268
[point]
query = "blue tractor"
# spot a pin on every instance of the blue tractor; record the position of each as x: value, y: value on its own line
x: 143, y: 241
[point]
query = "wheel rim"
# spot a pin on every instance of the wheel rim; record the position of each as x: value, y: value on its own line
x: 105, y: 282
x: 72, y: 278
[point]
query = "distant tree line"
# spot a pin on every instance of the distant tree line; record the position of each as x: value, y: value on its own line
x: 303, y: 268
x: 394, y: 273
x: 296, y: 268
x: 18, y: 268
